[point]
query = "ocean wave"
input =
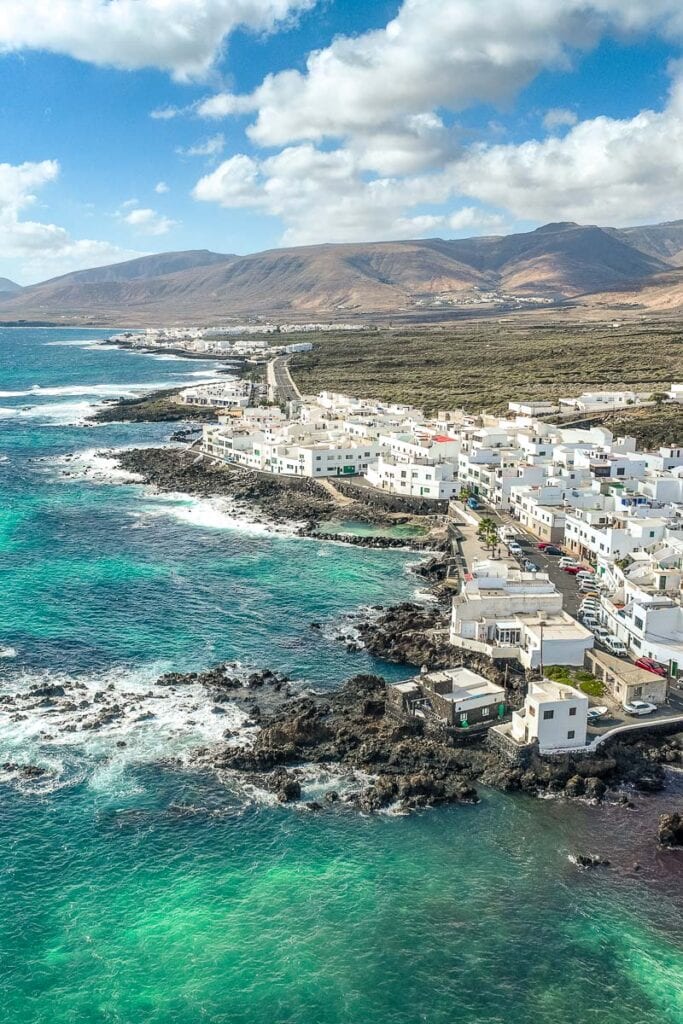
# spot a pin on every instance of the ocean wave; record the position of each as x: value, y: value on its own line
x: 58, y: 414
x: 130, y: 389
x: 8, y: 652
x: 95, y: 464
x: 96, y: 726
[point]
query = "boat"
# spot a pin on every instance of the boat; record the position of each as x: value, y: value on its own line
x: 599, y: 711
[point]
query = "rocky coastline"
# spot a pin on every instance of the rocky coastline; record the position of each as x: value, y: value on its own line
x: 298, y: 502
x: 403, y: 765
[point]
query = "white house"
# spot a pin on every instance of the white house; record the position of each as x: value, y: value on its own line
x: 508, y: 614
x: 416, y: 479
x: 554, y: 715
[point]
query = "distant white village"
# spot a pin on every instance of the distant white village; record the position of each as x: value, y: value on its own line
x: 243, y: 340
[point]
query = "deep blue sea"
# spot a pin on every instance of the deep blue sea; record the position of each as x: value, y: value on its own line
x: 135, y: 889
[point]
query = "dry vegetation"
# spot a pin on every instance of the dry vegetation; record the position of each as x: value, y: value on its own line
x: 487, y: 364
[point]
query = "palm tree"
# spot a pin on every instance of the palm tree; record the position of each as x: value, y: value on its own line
x: 488, y: 532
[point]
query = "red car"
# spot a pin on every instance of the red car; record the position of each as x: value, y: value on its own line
x: 543, y: 545
x: 650, y: 666
x: 573, y: 569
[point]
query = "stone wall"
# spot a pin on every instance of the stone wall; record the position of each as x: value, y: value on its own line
x: 389, y: 502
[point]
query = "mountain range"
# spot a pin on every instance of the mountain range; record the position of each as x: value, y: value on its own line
x: 564, y: 263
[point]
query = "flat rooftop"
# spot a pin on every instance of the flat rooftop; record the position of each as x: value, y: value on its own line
x: 464, y: 684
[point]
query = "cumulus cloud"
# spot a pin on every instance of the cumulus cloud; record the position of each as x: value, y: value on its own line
x: 148, y: 222
x: 390, y: 83
x: 183, y: 37
x: 161, y: 188
x: 604, y: 170
x: 212, y: 146
x: 559, y: 117
x: 324, y: 196
x: 366, y: 150
x: 43, y: 249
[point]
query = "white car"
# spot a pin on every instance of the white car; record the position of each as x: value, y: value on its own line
x: 601, y: 634
x: 584, y: 575
x: 590, y: 604
x: 639, y: 707
x: 615, y: 646
x: 566, y: 560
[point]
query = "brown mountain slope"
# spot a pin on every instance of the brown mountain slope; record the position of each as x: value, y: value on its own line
x: 557, y: 261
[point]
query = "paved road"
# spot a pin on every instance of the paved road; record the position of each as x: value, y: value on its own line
x: 285, y: 387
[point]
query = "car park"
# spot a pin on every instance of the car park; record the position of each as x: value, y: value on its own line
x: 615, y: 646
x: 639, y: 707
x: 651, y: 666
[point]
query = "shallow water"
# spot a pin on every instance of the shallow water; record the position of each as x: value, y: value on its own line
x: 135, y: 889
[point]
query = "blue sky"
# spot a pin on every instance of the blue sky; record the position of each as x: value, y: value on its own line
x: 135, y: 126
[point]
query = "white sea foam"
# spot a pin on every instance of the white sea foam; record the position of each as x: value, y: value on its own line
x: 8, y: 652
x: 94, y: 464
x: 107, y: 390
x: 147, y: 724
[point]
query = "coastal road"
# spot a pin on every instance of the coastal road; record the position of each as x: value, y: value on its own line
x: 280, y: 383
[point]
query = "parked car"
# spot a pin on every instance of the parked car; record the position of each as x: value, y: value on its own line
x: 552, y: 549
x: 514, y: 548
x: 573, y: 570
x: 530, y: 567
x: 601, y: 634
x: 584, y: 574
x: 566, y: 560
x: 651, y: 666
x: 590, y: 622
x: 543, y: 545
x: 587, y: 602
x: 615, y: 646
x: 473, y: 503
x: 586, y: 585
x: 639, y: 707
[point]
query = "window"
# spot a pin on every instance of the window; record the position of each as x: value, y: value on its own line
x: 638, y: 622
x: 485, y: 712
x: 548, y: 715
x: 572, y: 712
x: 463, y: 716
x: 571, y: 734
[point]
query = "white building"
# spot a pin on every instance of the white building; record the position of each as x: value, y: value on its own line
x: 507, y: 614
x: 554, y: 715
x: 413, y: 479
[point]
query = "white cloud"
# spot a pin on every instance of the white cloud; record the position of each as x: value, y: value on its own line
x: 149, y: 222
x: 161, y: 188
x: 389, y: 84
x: 324, y: 196
x: 184, y: 37
x: 604, y: 170
x: 559, y: 117
x: 42, y: 250
x: 212, y: 146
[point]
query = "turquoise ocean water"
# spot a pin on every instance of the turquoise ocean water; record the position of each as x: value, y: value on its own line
x: 134, y: 889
